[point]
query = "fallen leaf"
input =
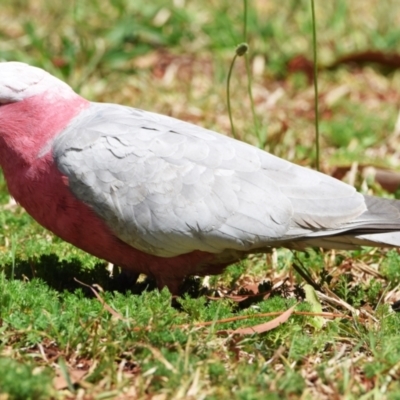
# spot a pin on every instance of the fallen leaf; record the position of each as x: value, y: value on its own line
x: 266, y: 326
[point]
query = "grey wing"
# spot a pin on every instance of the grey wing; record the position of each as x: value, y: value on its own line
x: 167, y: 187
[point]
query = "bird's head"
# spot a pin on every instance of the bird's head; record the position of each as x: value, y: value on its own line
x: 19, y: 81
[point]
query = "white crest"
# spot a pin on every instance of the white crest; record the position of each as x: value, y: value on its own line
x: 19, y: 81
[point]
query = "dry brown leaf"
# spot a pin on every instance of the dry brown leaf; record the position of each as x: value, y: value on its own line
x: 266, y: 326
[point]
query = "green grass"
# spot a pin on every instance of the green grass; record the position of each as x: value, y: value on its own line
x: 58, y: 341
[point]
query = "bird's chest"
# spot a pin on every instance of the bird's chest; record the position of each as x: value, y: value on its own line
x: 43, y: 191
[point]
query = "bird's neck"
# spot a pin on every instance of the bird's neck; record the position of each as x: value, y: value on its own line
x: 27, y: 126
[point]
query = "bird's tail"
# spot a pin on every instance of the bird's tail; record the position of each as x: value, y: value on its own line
x: 379, y: 226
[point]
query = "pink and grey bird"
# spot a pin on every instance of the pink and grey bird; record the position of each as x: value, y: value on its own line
x: 159, y: 196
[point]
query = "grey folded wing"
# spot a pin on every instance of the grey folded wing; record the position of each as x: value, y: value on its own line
x: 168, y: 187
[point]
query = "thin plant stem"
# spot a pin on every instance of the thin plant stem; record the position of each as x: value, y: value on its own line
x: 242, y: 50
x: 228, y: 94
x: 13, y: 252
x: 249, y: 80
x: 244, y: 20
x: 316, y: 105
x: 250, y: 91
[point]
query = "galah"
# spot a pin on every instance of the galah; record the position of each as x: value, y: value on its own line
x: 159, y: 196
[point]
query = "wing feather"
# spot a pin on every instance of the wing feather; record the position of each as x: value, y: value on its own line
x: 168, y: 187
